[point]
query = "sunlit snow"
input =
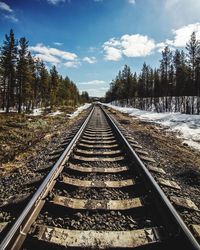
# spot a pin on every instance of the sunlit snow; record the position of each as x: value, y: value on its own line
x: 186, y: 126
x: 80, y: 109
x: 55, y: 113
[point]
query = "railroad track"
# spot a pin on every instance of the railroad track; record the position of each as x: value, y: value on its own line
x: 99, y: 195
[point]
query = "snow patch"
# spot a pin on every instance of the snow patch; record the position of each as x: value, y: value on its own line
x: 186, y: 126
x: 39, y: 111
x: 55, y: 113
x: 79, y: 110
x: 13, y: 110
x: 36, y: 112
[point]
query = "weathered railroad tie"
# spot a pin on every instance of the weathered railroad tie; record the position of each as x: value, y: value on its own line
x: 100, y: 195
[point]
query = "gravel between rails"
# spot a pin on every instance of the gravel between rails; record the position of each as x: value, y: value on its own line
x: 87, y: 220
x: 98, y: 194
x: 103, y: 164
x: 100, y: 176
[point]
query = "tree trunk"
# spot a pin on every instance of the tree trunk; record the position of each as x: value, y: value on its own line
x: 8, y: 94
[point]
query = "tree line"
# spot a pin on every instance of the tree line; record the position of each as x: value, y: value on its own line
x: 173, y: 86
x: 26, y: 83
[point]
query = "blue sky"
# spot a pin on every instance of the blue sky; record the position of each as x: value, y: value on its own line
x: 91, y: 40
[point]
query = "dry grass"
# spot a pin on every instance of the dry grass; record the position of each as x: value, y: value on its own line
x: 18, y: 133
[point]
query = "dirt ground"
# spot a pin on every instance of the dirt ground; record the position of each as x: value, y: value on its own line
x: 21, y: 134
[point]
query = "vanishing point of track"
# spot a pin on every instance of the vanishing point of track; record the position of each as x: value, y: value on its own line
x: 99, y: 195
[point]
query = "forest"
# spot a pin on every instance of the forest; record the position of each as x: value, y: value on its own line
x: 172, y: 87
x: 26, y: 83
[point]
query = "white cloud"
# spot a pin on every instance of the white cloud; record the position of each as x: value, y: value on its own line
x: 100, y: 92
x: 48, y: 58
x: 58, y: 44
x: 112, y: 50
x: 42, y: 49
x: 160, y: 46
x: 93, y: 82
x: 97, y: 92
x: 94, y: 87
x: 112, y: 42
x: 55, y: 56
x: 72, y: 64
x: 112, y: 54
x: 11, y: 17
x: 180, y: 36
x: 131, y: 1
x: 9, y: 12
x: 55, y: 2
x: 90, y: 60
x: 135, y: 45
x: 179, y: 4
x: 5, y: 7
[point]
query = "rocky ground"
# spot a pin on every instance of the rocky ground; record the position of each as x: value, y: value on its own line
x: 20, y: 132
x: 98, y: 194
x: 180, y: 162
x: 95, y: 220
x: 26, y: 144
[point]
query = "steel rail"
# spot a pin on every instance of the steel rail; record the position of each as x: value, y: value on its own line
x: 189, y: 238
x: 9, y: 241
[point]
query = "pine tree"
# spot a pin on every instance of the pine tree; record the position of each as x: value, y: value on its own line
x: 193, y: 47
x: 165, y: 68
x: 2, y: 89
x: 85, y: 96
x: 8, y: 67
x: 134, y: 85
x: 37, y: 99
x: 22, y: 73
x: 181, y: 74
x: 54, y: 81
x: 144, y: 81
x: 178, y: 70
x: 32, y: 80
x: 127, y: 80
x: 157, y: 87
x: 44, y: 85
x: 118, y: 86
x: 151, y: 83
x: 26, y: 82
